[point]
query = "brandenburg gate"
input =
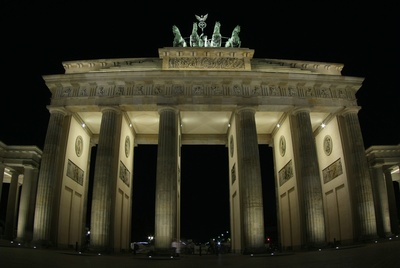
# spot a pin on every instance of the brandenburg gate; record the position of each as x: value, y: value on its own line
x: 205, y: 93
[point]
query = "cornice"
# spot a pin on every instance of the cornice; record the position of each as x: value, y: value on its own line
x: 20, y: 156
x: 380, y: 155
x: 202, y: 58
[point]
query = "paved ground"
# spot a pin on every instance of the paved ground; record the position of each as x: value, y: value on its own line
x: 383, y: 254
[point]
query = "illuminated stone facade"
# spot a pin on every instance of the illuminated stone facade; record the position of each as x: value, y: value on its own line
x: 306, y: 111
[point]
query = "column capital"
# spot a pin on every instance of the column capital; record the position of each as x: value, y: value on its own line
x: 112, y: 108
x: 245, y: 108
x: 60, y: 110
x: 349, y: 110
x: 297, y: 110
x: 167, y: 108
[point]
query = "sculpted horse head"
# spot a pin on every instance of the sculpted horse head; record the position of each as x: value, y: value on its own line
x: 234, y: 40
x: 195, y: 40
x: 217, y: 27
x: 178, y: 39
x: 216, y: 38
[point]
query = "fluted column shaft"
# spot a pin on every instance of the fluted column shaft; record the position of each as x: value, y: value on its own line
x: 381, y: 202
x: 308, y: 178
x: 2, y: 169
x: 45, y: 209
x: 27, y: 205
x: 166, y: 180
x: 394, y: 226
x: 358, y: 175
x: 12, y: 203
x: 105, y: 176
x: 250, y: 180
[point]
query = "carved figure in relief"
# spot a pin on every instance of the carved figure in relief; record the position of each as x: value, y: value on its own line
x: 216, y: 38
x: 234, y: 40
x: 178, y: 39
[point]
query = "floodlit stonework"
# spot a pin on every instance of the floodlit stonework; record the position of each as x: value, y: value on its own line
x: 306, y: 111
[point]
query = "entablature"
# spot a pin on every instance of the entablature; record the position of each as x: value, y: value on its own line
x: 192, y: 88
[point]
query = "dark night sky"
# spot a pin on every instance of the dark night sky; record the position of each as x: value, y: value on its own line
x: 37, y: 38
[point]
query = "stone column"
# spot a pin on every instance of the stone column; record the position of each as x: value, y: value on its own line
x: 394, y: 226
x: 381, y: 201
x: 308, y: 179
x: 2, y: 170
x: 358, y: 176
x: 47, y: 196
x: 104, y: 183
x: 250, y: 185
x: 166, y: 180
x: 12, y: 205
x: 27, y: 205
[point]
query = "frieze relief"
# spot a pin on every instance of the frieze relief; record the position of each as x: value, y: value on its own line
x: 233, y: 173
x: 75, y: 173
x: 84, y: 92
x: 67, y: 92
x: 332, y: 171
x: 119, y: 90
x: 216, y: 90
x: 124, y: 174
x: 198, y: 90
x: 207, y: 89
x: 292, y: 92
x: 206, y: 63
x: 102, y: 91
x: 159, y: 89
x: 178, y: 90
x: 139, y: 89
x: 286, y: 173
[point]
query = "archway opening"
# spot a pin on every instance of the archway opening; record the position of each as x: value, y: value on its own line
x: 204, y: 192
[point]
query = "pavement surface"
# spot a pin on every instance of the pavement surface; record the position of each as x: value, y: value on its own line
x: 379, y: 254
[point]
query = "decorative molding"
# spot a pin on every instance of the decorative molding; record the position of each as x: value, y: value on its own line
x: 79, y: 145
x: 328, y: 145
x: 282, y: 145
x: 127, y: 146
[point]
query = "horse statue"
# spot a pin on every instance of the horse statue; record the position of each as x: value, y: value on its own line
x: 216, y: 38
x: 234, y: 40
x: 178, y: 39
x: 195, y: 40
